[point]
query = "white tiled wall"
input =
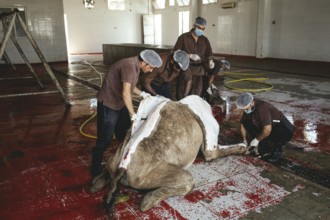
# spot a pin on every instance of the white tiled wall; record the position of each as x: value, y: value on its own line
x: 301, y: 28
x: 45, y: 21
x: 88, y: 29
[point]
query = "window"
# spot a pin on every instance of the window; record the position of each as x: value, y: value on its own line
x: 159, y: 4
x: 116, y: 5
x: 171, y: 2
x: 183, y: 22
x: 183, y: 2
x: 158, y: 29
x: 205, y: 2
x: 152, y: 29
x: 18, y: 31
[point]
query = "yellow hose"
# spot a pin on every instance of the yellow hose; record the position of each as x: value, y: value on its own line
x: 83, y: 125
x: 245, y: 77
x: 248, y: 77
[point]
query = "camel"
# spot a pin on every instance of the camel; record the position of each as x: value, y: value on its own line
x: 158, y: 150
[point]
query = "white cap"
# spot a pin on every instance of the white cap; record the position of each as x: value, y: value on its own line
x: 151, y: 57
x: 244, y: 100
x: 182, y: 58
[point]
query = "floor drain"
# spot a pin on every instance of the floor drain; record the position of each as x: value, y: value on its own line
x: 308, y: 173
x: 313, y: 175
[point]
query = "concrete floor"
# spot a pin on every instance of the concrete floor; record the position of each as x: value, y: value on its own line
x: 44, y: 171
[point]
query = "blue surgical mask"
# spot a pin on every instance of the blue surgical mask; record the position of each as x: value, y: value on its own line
x: 198, y: 32
x: 250, y: 110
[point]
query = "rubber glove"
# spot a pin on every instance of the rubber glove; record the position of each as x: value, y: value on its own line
x: 245, y: 143
x: 254, y: 143
x: 145, y: 95
x: 211, y: 64
x: 209, y: 91
x: 253, y: 148
x: 135, y: 118
x: 194, y: 57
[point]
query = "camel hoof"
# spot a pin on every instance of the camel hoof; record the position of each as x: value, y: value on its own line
x: 241, y: 150
x: 151, y: 199
x: 98, y: 183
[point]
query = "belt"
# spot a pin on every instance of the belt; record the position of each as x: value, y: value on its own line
x: 284, y: 122
x: 196, y: 64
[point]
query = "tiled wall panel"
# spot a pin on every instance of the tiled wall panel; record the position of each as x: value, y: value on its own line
x: 45, y: 21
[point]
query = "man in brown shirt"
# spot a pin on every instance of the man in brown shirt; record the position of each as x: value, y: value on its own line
x: 114, y: 106
x: 199, y: 49
x: 158, y: 81
x: 268, y: 127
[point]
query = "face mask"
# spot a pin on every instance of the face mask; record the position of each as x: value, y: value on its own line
x: 248, y: 111
x: 198, y: 32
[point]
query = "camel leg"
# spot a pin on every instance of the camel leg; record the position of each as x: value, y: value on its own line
x: 108, y: 173
x: 100, y: 181
x: 170, y: 181
x: 224, y: 150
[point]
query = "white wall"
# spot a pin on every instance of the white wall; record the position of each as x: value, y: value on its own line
x: 88, y: 29
x: 170, y: 20
x: 46, y: 24
x: 301, y: 30
x: 232, y: 31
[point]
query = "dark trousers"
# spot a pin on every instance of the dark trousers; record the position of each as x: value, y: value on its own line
x: 109, y: 122
x: 180, y: 87
x: 204, y: 93
x: 196, y: 87
x: 164, y: 89
x: 280, y: 135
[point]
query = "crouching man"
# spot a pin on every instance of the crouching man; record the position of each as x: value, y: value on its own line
x: 268, y: 128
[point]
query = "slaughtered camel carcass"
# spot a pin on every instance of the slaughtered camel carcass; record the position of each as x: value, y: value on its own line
x: 158, y: 149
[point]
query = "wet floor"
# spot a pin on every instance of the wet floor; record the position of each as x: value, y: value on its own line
x: 44, y: 167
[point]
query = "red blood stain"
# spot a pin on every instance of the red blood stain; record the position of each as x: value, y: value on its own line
x: 126, y: 155
x: 50, y: 178
x: 195, y: 196
x: 199, y: 159
x: 314, y: 134
x: 254, y: 197
x: 231, y: 183
x: 218, y: 114
x: 225, y: 214
x: 216, y: 110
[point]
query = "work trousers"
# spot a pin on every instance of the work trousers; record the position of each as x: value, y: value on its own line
x: 204, y: 93
x: 280, y: 135
x: 109, y: 122
x: 196, y: 87
x: 164, y: 89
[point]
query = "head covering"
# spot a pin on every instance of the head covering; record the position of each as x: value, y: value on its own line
x: 226, y: 64
x: 151, y: 57
x: 182, y: 58
x: 244, y: 100
x: 200, y: 21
